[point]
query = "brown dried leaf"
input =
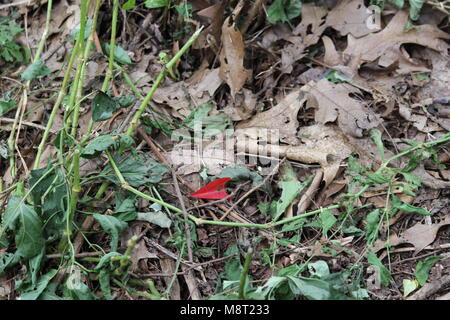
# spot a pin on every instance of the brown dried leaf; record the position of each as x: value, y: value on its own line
x: 334, y: 103
x: 385, y: 45
x: 283, y: 117
x: 350, y: 16
x: 182, y: 96
x: 232, y: 69
x: 243, y: 107
x: 305, y: 34
x: 140, y: 252
x: 420, y: 235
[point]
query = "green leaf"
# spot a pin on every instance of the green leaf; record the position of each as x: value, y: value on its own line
x: 96, y: 146
x: 130, y: 4
x: 337, y: 77
x: 6, y: 106
x: 241, y: 173
x: 104, y: 279
x: 385, y: 274
x: 103, y: 107
x: 423, y: 269
x: 80, y: 292
x: 125, y: 100
x: 409, y: 286
x: 318, y: 269
x: 125, y: 210
x: 372, y: 221
x: 7, y: 260
x: 27, y: 227
x: 290, y: 188
x: 412, y: 179
x: 87, y: 30
x: 327, y: 220
x: 267, y: 290
x: 284, y: 10
x: 35, y: 70
x: 159, y: 218
x: 292, y: 270
x: 402, y: 206
x: 157, y: 171
x: 422, y: 76
x: 398, y: 3
x: 210, y: 125
x: 120, y: 55
x: 313, y: 289
x: 136, y: 172
x: 42, y: 283
x: 153, y: 4
x: 415, y: 7
x: 375, y: 135
x: 112, y: 226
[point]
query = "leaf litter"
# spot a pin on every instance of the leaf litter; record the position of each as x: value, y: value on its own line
x: 323, y: 92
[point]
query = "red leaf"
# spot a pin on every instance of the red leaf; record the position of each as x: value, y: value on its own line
x: 213, y: 190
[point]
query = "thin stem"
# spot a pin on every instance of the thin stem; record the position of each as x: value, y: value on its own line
x: 244, y: 274
x: 112, y: 45
x: 61, y: 94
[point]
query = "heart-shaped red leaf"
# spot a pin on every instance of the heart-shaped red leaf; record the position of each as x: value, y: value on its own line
x: 213, y: 190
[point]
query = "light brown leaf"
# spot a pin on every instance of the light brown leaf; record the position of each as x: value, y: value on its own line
x: 333, y: 102
x: 232, y: 69
x: 350, y: 16
x: 420, y: 235
x: 282, y: 117
x: 305, y: 34
x: 385, y: 45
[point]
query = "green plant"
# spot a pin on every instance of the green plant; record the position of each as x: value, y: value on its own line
x: 9, y: 49
x: 284, y: 10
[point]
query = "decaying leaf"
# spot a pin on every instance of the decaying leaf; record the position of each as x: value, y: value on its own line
x: 183, y: 96
x: 333, y: 102
x: 385, y: 45
x: 351, y: 16
x: 232, y: 69
x: 420, y: 235
x: 140, y: 252
x: 307, y: 33
x: 282, y: 117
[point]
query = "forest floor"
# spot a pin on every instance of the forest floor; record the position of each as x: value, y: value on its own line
x: 203, y: 149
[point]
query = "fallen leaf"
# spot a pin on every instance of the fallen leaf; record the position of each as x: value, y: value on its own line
x: 232, y: 69
x: 213, y: 190
x: 385, y: 45
x: 351, y: 16
x: 333, y: 102
x: 140, y: 252
x: 305, y: 34
x: 282, y: 117
x: 420, y: 235
x: 182, y: 96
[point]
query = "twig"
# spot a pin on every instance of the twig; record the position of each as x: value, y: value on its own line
x: 26, y: 123
x: 186, y: 224
x: 78, y: 255
x: 18, y: 3
x: 306, y: 199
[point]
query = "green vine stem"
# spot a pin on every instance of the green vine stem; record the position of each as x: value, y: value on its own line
x: 112, y: 45
x: 76, y: 188
x: 62, y: 91
x: 244, y: 274
x: 78, y: 72
x: 87, y: 51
